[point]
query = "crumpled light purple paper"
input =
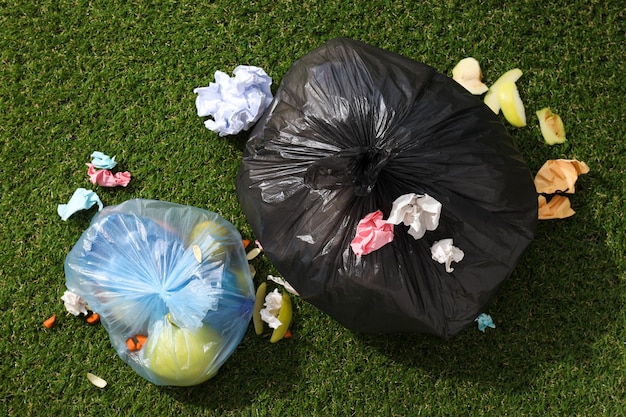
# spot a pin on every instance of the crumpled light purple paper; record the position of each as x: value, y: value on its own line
x: 484, y: 321
x: 234, y: 103
x: 102, y: 161
x: 82, y: 199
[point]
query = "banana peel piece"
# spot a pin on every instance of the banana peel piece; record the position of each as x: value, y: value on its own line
x: 467, y: 73
x: 491, y: 98
x: 284, y: 316
x: 258, y: 305
x: 552, y: 128
x: 511, y: 104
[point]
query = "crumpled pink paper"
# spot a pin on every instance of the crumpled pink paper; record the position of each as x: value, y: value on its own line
x: 372, y: 233
x: 106, y: 178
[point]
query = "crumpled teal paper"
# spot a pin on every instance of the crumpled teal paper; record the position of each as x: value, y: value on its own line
x: 484, y: 321
x: 102, y: 161
x: 82, y: 199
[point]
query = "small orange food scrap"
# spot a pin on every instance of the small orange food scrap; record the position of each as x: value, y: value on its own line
x: 288, y: 334
x: 559, y: 175
x: 136, y: 342
x: 93, y: 318
x: 48, y: 323
x: 557, y: 208
x: 246, y: 243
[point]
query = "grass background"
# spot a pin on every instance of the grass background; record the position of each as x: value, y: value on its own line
x: 80, y: 76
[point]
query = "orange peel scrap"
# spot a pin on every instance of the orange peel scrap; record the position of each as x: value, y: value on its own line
x: 136, y: 343
x: 49, y: 323
x: 93, y: 318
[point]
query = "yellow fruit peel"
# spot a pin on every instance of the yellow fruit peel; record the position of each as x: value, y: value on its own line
x: 284, y: 316
x: 258, y: 306
x: 253, y: 254
x: 96, y: 380
x: 491, y: 98
x: 511, y: 104
x: 467, y: 73
x: 197, y: 253
x: 552, y: 128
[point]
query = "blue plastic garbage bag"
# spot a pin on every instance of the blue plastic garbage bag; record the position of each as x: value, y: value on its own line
x: 176, y: 275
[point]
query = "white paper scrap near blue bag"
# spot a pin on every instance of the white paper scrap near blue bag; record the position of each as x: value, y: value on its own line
x: 174, y: 275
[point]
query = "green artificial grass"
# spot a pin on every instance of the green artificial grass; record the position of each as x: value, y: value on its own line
x: 118, y: 77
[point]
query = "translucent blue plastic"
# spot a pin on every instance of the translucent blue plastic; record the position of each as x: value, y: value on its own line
x: 176, y: 274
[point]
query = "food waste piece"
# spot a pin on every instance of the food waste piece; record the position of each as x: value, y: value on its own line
x: 551, y: 125
x: 284, y: 316
x: 48, y: 323
x: 96, y: 380
x: 136, y: 342
x: 511, y: 104
x: 181, y: 356
x: 467, y: 73
x: 258, y: 305
x: 197, y: 253
x: 93, y: 318
x: 253, y: 254
x: 491, y: 98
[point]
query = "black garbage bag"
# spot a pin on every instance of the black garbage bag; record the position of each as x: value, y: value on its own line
x: 353, y: 127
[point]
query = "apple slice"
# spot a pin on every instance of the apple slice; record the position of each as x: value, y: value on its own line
x: 467, y: 73
x: 551, y: 125
x: 511, y: 104
x: 491, y: 98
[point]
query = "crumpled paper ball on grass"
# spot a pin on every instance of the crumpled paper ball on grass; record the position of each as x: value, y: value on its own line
x: 137, y: 265
x: 234, y: 103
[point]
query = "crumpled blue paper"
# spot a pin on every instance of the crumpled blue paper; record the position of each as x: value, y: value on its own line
x: 102, y: 161
x: 82, y: 199
x: 484, y: 321
x: 234, y: 103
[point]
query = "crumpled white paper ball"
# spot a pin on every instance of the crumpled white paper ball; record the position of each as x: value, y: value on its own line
x: 419, y: 212
x: 234, y: 103
x: 444, y: 252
